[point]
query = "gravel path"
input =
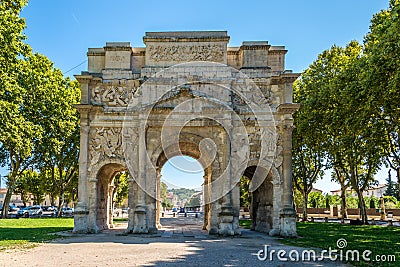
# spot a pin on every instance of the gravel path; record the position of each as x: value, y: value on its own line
x: 172, y: 247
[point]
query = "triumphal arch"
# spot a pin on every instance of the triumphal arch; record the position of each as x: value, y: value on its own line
x: 187, y: 93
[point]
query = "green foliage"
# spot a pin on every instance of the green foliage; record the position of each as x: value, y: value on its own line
x: 382, y: 77
x: 163, y: 190
x: 121, y: 187
x: 34, y: 183
x: 372, y: 202
x: 39, y: 128
x: 183, y: 193
x: 307, y: 152
x: 17, y: 132
x: 332, y: 200
x: 194, y: 202
x: 246, y: 224
x: 392, y: 187
x: 340, y: 111
x: 167, y: 204
x: 245, y: 197
x: 390, y: 202
x: 298, y: 198
x: 352, y: 202
x: 316, y: 200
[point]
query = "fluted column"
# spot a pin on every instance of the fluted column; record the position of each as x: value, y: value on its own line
x: 110, y: 206
x: 158, y: 199
x: 288, y: 213
x: 81, y: 208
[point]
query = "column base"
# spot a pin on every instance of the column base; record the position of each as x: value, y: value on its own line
x: 226, y: 222
x: 140, y: 226
x: 81, y: 219
x: 288, y: 222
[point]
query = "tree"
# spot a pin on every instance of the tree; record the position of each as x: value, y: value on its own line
x: 50, y: 108
x: 383, y: 78
x: 17, y: 132
x: 194, y: 202
x: 121, y: 188
x: 163, y: 190
x: 38, y: 125
x: 341, y: 110
x: 245, y: 197
x: 307, y: 159
x: 167, y: 203
x: 392, y: 188
x: 316, y: 200
x: 34, y: 183
x: 339, y: 177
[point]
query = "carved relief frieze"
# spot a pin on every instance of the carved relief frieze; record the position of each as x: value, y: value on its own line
x: 112, y: 96
x: 181, y: 53
x: 104, y: 142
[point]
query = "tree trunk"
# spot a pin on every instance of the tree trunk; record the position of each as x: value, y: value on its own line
x: 343, y: 210
x: 305, y: 202
x: 52, y: 200
x: 398, y: 182
x: 53, y: 193
x: 363, y: 210
x: 23, y: 198
x: 11, y: 185
x: 60, y: 203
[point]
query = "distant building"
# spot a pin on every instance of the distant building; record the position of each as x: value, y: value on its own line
x: 316, y: 190
x: 15, y: 199
x: 375, y: 191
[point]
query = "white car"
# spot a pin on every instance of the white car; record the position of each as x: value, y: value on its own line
x: 30, y: 211
x: 67, y: 212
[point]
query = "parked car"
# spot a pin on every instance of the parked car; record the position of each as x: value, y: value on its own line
x: 117, y: 212
x: 30, y: 211
x: 67, y: 212
x: 125, y: 211
x: 51, y: 211
x: 13, y: 209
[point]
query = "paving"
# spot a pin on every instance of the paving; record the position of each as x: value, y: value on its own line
x: 181, y: 242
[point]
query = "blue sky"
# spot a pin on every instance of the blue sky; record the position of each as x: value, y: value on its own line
x: 64, y: 30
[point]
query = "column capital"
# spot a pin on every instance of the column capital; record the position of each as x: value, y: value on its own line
x: 288, y: 108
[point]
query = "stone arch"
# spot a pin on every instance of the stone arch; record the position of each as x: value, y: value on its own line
x: 102, y: 186
x: 262, y: 204
x: 190, y: 149
x: 137, y: 96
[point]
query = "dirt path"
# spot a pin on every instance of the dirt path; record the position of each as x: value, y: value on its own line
x: 179, y: 244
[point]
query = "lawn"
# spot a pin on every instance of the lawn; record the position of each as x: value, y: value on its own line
x: 246, y: 224
x: 26, y: 233
x: 378, y: 239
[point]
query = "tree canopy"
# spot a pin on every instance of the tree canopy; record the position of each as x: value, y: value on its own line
x: 39, y: 128
x: 350, y: 108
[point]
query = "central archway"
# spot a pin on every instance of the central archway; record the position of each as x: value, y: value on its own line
x: 189, y: 150
x: 183, y: 179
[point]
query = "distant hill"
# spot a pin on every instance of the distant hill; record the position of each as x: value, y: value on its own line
x: 169, y: 185
x: 183, y: 193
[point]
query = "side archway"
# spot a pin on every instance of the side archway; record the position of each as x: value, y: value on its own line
x: 101, y: 197
x: 262, y: 199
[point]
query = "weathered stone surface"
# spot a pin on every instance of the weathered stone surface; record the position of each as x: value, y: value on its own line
x: 187, y: 93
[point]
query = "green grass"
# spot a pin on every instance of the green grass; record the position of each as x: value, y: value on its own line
x: 120, y: 219
x: 246, y: 224
x: 378, y: 239
x: 26, y: 233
